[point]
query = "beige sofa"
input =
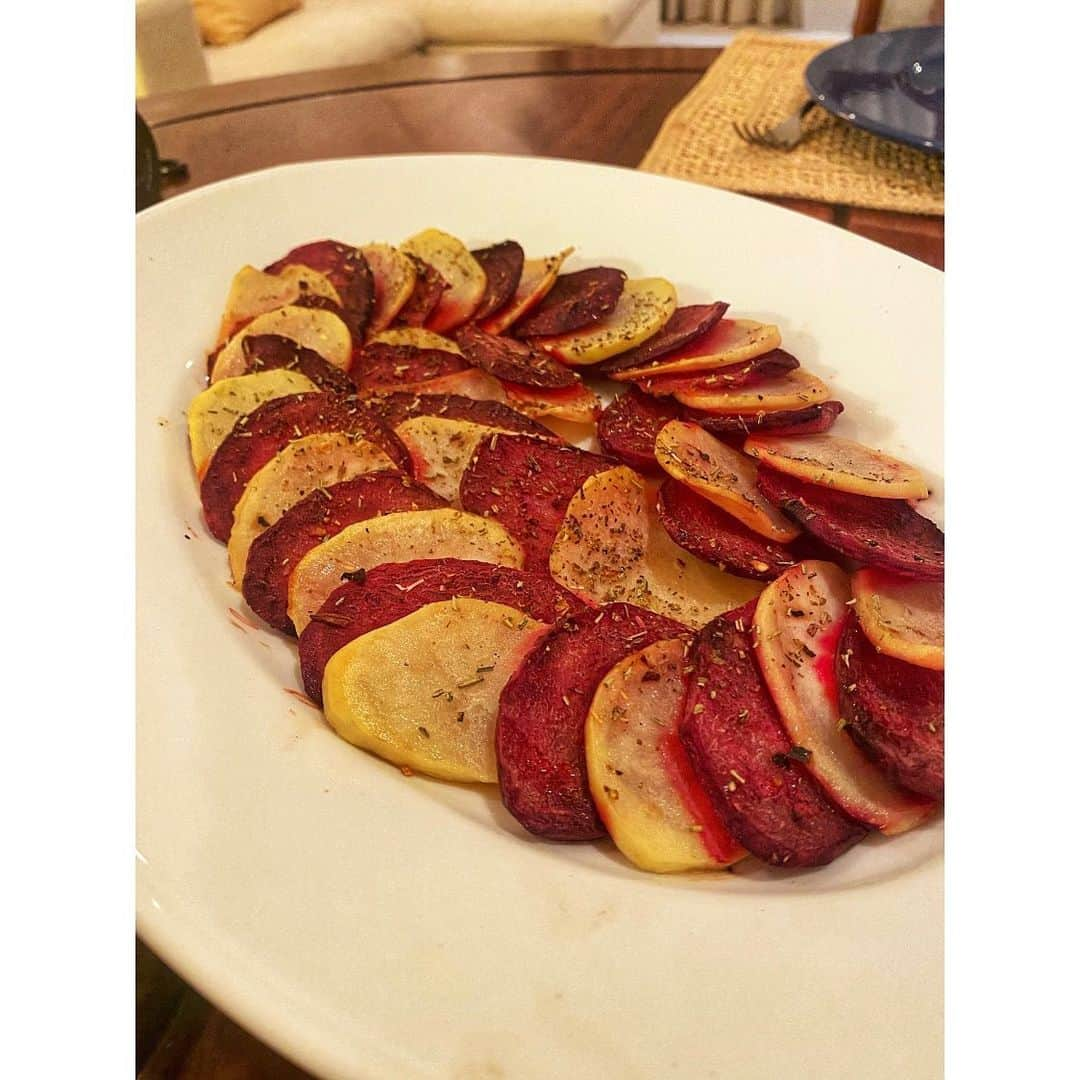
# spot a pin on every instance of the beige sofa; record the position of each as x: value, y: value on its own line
x: 337, y: 33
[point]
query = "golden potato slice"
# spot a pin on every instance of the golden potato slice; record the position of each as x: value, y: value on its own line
x: 395, y: 278
x: 731, y: 341
x: 641, y: 780
x: 417, y: 337
x: 797, y: 625
x: 313, y: 328
x: 838, y: 463
x: 314, y: 461
x: 642, y: 309
x: 579, y: 405
x: 722, y: 475
x: 793, y: 390
x: 423, y: 692
x: 904, y: 619
x: 212, y: 414
x: 456, y: 263
x: 253, y: 292
x: 413, y: 534
x: 475, y: 384
x: 611, y: 548
x: 536, y: 281
x: 441, y: 449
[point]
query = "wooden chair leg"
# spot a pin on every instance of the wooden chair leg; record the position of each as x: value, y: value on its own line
x: 866, y: 17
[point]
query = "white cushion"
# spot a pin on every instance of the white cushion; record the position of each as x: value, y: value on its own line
x: 322, y: 34
x: 564, y: 22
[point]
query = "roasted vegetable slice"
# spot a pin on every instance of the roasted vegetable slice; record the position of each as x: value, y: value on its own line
x: 415, y: 337
x: 686, y: 324
x: 537, y: 278
x: 780, y: 393
x: 394, y: 277
x: 506, y: 358
x: 265, y: 352
x: 254, y: 292
x: 729, y: 377
x: 627, y: 428
x: 806, y: 421
x: 394, y: 408
x: 903, y: 618
x: 379, y: 366
x: 575, y: 301
x: 502, y: 265
x: 576, y: 404
x: 466, y: 277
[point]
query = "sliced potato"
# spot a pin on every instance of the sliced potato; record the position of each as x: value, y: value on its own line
x: 841, y: 464
x: 311, y: 462
x: 254, y: 292
x: 417, y: 337
x: 611, y: 548
x: 731, y: 341
x: 475, y: 384
x: 395, y: 278
x: 313, y: 328
x: 536, y: 281
x: 797, y: 625
x: 642, y: 309
x: 902, y: 618
x: 413, y: 534
x: 423, y: 692
x: 578, y: 405
x: 212, y: 414
x: 458, y: 265
x: 793, y: 390
x: 722, y: 475
x: 658, y: 814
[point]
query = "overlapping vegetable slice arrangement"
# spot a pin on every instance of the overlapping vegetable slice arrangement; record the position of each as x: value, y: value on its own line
x: 720, y: 637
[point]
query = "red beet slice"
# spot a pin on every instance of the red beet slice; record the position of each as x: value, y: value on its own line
x: 269, y: 429
x: 389, y: 592
x: 894, y: 710
x: 686, y: 325
x: 512, y: 360
x: 348, y: 272
x: 379, y: 366
x: 540, y: 731
x: 323, y: 513
x: 762, y: 792
x: 262, y: 351
x: 394, y: 408
x: 628, y: 427
x: 775, y: 362
x: 502, y: 263
x: 710, y: 533
x: 526, y: 485
x: 809, y: 421
x: 575, y: 301
x: 425, y: 297
x: 879, y: 532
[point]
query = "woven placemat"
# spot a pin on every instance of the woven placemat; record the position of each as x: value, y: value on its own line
x: 759, y: 78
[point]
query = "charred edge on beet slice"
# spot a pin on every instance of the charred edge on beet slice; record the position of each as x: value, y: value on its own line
x: 322, y: 514
x: 756, y: 779
x: 886, y: 533
x: 540, y: 732
x: 382, y: 594
x: 685, y: 326
x: 812, y: 420
x: 263, y: 351
x: 267, y: 430
x: 526, y: 485
x: 392, y: 409
x: 425, y: 297
x: 514, y: 361
x: 627, y: 428
x: 379, y: 365
x: 502, y: 264
x: 575, y: 301
x: 894, y: 710
x: 768, y: 365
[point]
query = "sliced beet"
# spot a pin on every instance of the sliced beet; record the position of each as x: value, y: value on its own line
x: 502, y: 264
x: 391, y: 591
x: 512, y: 360
x: 394, y: 408
x: 323, y: 513
x: 425, y: 297
x: 380, y: 366
x: 348, y: 272
x: 269, y: 429
x: 809, y: 421
x: 575, y: 301
x: 712, y: 534
x: 736, y: 743
x: 879, y: 532
x: 262, y: 351
x: 628, y: 427
x: 526, y: 485
x: 774, y: 362
x: 686, y: 325
x: 540, y: 731
x: 894, y: 710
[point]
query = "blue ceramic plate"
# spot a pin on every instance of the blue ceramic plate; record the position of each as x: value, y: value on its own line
x: 892, y: 84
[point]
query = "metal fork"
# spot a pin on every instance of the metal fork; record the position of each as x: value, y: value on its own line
x: 783, y: 136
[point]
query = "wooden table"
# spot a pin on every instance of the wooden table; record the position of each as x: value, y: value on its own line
x: 600, y: 105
